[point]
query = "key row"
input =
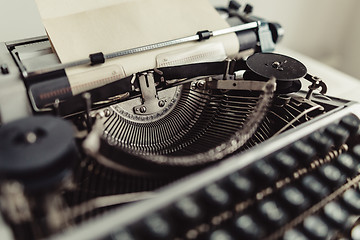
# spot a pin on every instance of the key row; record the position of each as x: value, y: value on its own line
x: 259, y: 219
x: 336, y: 216
x: 264, y: 216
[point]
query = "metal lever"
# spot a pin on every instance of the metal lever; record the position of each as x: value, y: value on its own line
x: 316, y: 84
x: 151, y: 101
x: 208, y: 83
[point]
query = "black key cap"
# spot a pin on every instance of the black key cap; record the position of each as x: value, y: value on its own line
x: 314, y: 186
x: 332, y: 175
x: 272, y: 213
x: 294, y: 199
x: 294, y: 234
x: 356, y: 151
x: 338, y: 133
x: 247, y: 227
x: 286, y: 163
x: 154, y: 227
x: 348, y: 164
x: 240, y: 186
x: 321, y: 142
x: 351, y: 198
x: 215, y: 197
x: 316, y: 228
x: 107, y: 238
x: 336, y: 214
x: 352, y: 123
x: 220, y: 235
x: 304, y: 151
x: 264, y: 173
x: 187, y: 211
x: 122, y: 234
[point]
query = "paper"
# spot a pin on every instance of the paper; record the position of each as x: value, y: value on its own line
x: 82, y: 27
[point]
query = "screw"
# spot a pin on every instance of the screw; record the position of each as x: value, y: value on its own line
x: 201, y: 84
x: 107, y: 112
x: 275, y: 64
x: 161, y: 103
x: 143, y: 109
x: 30, y: 137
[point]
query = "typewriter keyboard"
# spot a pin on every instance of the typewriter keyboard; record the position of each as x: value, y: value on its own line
x: 308, y: 189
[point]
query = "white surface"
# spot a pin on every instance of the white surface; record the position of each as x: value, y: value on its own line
x: 19, y: 19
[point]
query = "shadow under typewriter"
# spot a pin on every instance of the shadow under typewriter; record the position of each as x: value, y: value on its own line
x: 196, y: 128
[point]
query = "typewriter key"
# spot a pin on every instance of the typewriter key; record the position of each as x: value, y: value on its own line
x: 316, y: 228
x: 220, y: 235
x: 239, y: 185
x: 348, y: 164
x: 121, y: 235
x: 336, y: 214
x: 332, y: 175
x: 264, y: 173
x: 154, y: 227
x: 215, y: 197
x: 247, y: 227
x: 187, y: 211
x: 352, y: 123
x: 314, y: 186
x: 321, y: 142
x: 338, y: 134
x: 351, y: 198
x: 272, y: 213
x: 294, y: 234
x: 285, y: 162
x: 294, y: 198
x: 304, y: 151
x: 356, y: 151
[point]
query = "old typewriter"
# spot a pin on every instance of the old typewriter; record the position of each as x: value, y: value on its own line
x: 216, y: 150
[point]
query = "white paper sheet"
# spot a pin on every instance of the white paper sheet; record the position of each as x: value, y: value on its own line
x: 82, y: 27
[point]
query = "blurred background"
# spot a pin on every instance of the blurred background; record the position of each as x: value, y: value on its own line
x: 325, y: 30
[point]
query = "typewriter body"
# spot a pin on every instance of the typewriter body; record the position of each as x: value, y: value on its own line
x: 222, y: 150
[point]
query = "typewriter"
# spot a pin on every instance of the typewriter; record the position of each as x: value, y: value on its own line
x: 214, y: 150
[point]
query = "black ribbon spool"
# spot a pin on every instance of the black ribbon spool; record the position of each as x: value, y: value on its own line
x: 282, y: 67
x: 39, y: 152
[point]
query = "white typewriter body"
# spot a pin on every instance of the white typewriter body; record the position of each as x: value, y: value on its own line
x: 150, y: 155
